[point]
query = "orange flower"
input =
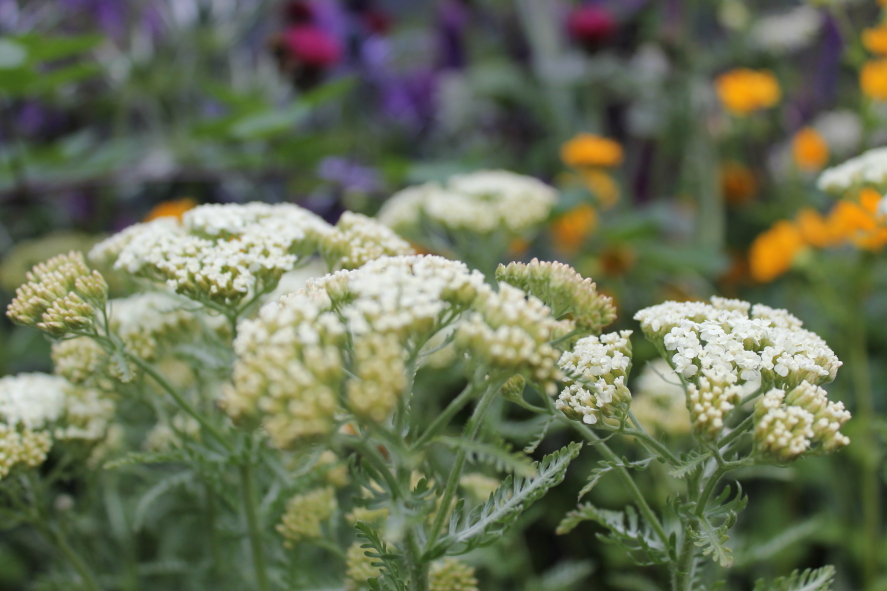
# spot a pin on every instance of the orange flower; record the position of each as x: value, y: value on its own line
x: 171, y: 209
x: 738, y: 183
x: 588, y: 150
x: 860, y: 224
x: 773, y: 252
x: 602, y: 185
x: 570, y: 230
x: 518, y: 246
x: 743, y: 91
x: 617, y: 260
x: 816, y: 230
x: 809, y: 150
x: 875, y: 40
x: 873, y: 79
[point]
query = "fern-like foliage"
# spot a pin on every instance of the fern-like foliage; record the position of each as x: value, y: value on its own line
x: 498, y: 454
x: 486, y: 523
x: 820, y: 579
x: 392, y: 576
x: 605, y: 466
x: 171, y: 456
x: 626, y: 529
x: 711, y: 533
x: 689, y: 463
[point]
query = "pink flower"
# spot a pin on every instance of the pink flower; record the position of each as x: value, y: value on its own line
x: 311, y: 46
x: 591, y: 25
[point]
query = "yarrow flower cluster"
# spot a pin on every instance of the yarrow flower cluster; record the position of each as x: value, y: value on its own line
x: 867, y: 169
x: 718, y: 347
x: 224, y: 254
x: 564, y: 290
x: 482, y: 202
x: 788, y: 424
x: 596, y: 370
x: 36, y: 409
x: 359, y: 239
x: 61, y: 296
x: 294, y: 358
x: 305, y: 513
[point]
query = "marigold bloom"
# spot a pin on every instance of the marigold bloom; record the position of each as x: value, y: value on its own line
x: 809, y: 149
x: 773, y: 251
x: 743, y: 90
x: 738, y: 183
x: 860, y: 224
x: 875, y: 39
x: 873, y: 79
x: 602, y: 185
x: 816, y: 230
x: 587, y: 149
x: 175, y: 208
x: 570, y: 230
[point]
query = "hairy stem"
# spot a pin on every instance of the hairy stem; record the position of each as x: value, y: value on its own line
x: 252, y: 519
x: 471, y: 430
x: 54, y: 533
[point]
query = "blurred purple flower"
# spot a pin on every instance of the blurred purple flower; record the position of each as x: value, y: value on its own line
x: 829, y: 67
x: 453, y: 19
x: 110, y: 15
x: 349, y: 175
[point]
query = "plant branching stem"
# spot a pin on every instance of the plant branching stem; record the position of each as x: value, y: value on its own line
x: 252, y: 520
x: 470, y: 433
x: 61, y: 542
x: 624, y: 476
x: 444, y: 418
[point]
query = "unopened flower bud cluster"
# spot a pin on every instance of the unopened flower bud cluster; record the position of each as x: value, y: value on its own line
x: 596, y: 371
x: 61, y: 296
x: 564, y: 290
x: 36, y: 409
x: 482, y: 202
x: 358, y: 239
x: 305, y: 513
x: 788, y: 424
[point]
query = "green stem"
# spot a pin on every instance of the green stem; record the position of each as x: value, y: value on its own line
x: 737, y: 431
x: 183, y: 404
x: 471, y: 430
x: 252, y: 520
x: 710, y: 485
x: 418, y: 569
x: 444, y: 418
x: 682, y: 577
x: 61, y: 542
x: 624, y: 476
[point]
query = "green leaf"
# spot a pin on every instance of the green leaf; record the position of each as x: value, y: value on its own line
x: 392, y: 576
x: 500, y: 457
x: 627, y: 529
x: 44, y: 48
x: 138, y: 458
x: 608, y: 466
x: 820, y: 579
x: 712, y: 536
x: 155, y: 492
x: 486, y: 523
x: 689, y: 463
x: 269, y: 123
x: 713, y: 541
x: 12, y: 55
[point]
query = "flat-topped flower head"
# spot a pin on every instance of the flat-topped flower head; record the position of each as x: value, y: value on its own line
x: 869, y: 169
x: 36, y: 409
x: 219, y: 253
x: 61, y: 296
x: 451, y: 575
x: 564, y: 290
x: 716, y: 348
x: 596, y: 371
x: 342, y: 343
x: 482, y: 202
x: 357, y: 239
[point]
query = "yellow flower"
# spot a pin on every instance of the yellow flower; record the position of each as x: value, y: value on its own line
x: 570, y: 230
x: 588, y: 150
x: 738, y: 183
x: 743, y: 91
x: 809, y: 149
x: 860, y: 223
x: 171, y: 209
x: 773, y: 252
x: 875, y: 40
x: 873, y: 79
x: 816, y: 230
x: 602, y: 185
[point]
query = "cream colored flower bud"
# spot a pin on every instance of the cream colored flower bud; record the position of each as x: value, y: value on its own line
x: 564, y: 290
x: 357, y: 239
x: 596, y: 371
x: 305, y: 513
x: 78, y: 360
x: 782, y: 432
x: 451, y: 575
x: 379, y: 376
